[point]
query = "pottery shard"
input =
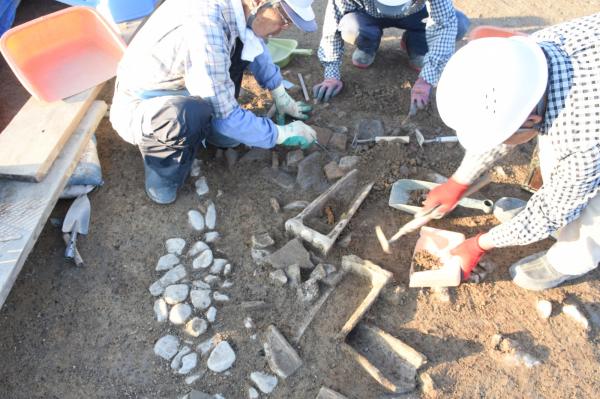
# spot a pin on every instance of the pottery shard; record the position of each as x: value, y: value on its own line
x: 291, y: 253
x: 282, y: 358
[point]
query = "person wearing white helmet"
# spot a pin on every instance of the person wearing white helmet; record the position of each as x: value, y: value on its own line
x: 178, y: 83
x: 500, y: 92
x: 431, y: 29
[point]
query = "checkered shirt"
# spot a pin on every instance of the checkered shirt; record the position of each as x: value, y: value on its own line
x: 186, y: 45
x: 440, y: 31
x: 571, y: 128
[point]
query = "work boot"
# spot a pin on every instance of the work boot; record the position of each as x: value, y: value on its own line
x: 362, y: 60
x: 160, y: 190
x: 535, y: 273
x: 507, y: 208
x: 414, y: 61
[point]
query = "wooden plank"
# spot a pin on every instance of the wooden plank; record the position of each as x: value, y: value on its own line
x: 25, y: 206
x: 36, y: 135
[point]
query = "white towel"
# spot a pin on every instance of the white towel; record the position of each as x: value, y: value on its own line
x: 252, y: 44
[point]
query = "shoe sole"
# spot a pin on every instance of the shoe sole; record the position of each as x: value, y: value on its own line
x: 360, y: 66
x: 538, y: 287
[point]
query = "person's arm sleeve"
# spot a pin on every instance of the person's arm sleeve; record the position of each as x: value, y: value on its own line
x: 474, y: 164
x: 573, y: 182
x: 243, y: 126
x: 440, y: 32
x: 267, y: 74
x: 331, y: 48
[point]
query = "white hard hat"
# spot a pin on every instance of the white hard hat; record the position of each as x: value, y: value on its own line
x: 489, y: 88
x: 392, y: 7
x: 301, y: 14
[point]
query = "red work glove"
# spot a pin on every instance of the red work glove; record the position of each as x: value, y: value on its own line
x: 445, y: 195
x: 469, y: 253
x: 419, y: 95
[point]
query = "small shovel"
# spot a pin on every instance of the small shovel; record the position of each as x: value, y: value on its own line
x: 442, y: 139
x: 77, y: 221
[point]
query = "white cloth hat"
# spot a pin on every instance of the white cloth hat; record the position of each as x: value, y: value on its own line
x: 489, y: 88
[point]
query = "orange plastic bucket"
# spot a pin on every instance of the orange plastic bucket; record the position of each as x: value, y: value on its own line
x: 492, y: 31
x: 63, y: 53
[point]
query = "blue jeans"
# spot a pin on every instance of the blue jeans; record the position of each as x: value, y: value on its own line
x: 365, y: 31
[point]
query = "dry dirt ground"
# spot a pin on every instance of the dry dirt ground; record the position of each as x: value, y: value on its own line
x: 71, y: 333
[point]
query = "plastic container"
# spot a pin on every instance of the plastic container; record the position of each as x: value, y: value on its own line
x: 492, y: 31
x: 438, y: 243
x: 63, y: 53
x: 118, y: 10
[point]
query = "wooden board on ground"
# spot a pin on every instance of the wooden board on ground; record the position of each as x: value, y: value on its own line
x: 36, y: 135
x: 25, y: 206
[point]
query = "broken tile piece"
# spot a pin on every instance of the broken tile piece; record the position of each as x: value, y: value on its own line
x: 263, y: 381
x: 262, y: 240
x: 291, y: 253
x: 282, y: 358
x: 333, y: 171
x: 278, y: 276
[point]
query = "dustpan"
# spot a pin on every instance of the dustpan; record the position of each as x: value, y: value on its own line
x: 438, y: 243
x: 63, y: 53
x: 282, y: 50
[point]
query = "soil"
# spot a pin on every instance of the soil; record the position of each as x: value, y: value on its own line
x: 69, y: 332
x: 417, y: 197
x: 424, y: 260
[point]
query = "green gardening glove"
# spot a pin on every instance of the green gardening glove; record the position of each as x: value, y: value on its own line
x: 296, y: 134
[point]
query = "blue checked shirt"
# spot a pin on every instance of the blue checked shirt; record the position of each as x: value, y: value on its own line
x: 570, y: 135
x: 185, y: 49
x: 440, y: 33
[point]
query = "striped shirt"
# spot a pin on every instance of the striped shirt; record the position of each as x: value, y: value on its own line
x: 569, y: 139
x: 440, y: 33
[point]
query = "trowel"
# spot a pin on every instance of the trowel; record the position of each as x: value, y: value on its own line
x: 77, y: 221
x: 442, y: 139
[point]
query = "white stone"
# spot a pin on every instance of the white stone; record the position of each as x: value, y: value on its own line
x: 260, y: 255
x: 252, y: 393
x: 227, y: 284
x: 200, y: 298
x: 196, y: 327
x: 217, y: 296
x: 176, y: 293
x: 211, y: 216
x: 180, y: 313
x: 249, y: 323
x: 175, y: 245
x: 201, y: 186
x: 196, y: 167
x: 221, y: 358
x: 265, y: 382
x: 192, y: 378
x: 204, y: 260
x: 201, y: 284
x: 166, y: 262
x: 176, y: 362
x: 212, y: 236
x: 575, y: 314
x: 278, y: 276
x: 173, y: 276
x: 227, y: 269
x: 198, y: 247
x: 206, y: 346
x: 166, y: 347
x: 218, y: 265
x: 188, y: 363
x: 196, y: 220
x: 218, y: 395
x: 156, y: 288
x: 544, y: 308
x: 211, y: 314
x: 161, y: 310
x: 212, y: 280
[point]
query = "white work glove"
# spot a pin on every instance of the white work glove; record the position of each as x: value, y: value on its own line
x: 286, y: 105
x: 296, y: 134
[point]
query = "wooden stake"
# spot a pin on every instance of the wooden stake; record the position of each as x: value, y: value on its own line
x: 303, y: 87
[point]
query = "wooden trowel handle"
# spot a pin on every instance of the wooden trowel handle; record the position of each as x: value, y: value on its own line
x: 302, y: 51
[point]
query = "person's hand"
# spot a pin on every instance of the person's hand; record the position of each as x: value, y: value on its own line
x: 419, y: 96
x: 296, y: 134
x: 326, y: 89
x: 469, y: 252
x: 445, y: 197
x: 286, y: 105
